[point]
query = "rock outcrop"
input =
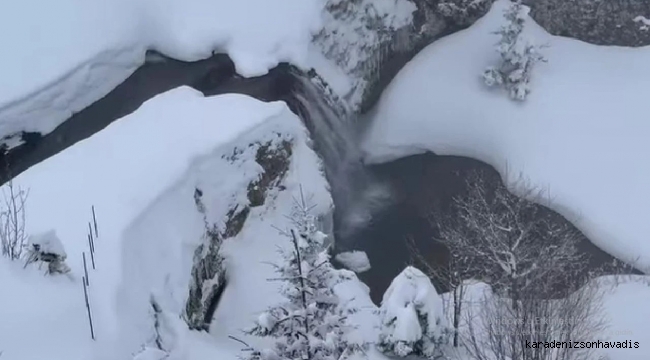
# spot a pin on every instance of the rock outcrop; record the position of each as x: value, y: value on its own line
x: 209, y: 277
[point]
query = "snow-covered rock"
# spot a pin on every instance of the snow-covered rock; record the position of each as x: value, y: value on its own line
x: 356, y: 261
x: 412, y: 318
x: 267, y: 160
x: 354, y: 34
x: 147, y: 240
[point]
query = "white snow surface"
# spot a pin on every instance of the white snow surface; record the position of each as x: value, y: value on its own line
x: 59, y: 57
x: 409, y: 294
x: 48, y: 243
x: 356, y: 261
x: 581, y: 134
x: 113, y: 171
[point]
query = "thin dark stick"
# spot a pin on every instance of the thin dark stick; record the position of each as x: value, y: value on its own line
x: 302, y: 279
x: 90, y: 231
x: 85, y: 269
x: 90, y: 318
x: 91, y: 244
x: 95, y: 222
x: 92, y: 256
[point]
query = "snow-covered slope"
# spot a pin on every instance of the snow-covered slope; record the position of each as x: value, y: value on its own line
x: 141, y: 174
x: 59, y: 57
x: 582, y: 133
x: 120, y: 175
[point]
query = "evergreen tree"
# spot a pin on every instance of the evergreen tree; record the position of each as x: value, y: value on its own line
x: 518, y: 55
x: 312, y: 323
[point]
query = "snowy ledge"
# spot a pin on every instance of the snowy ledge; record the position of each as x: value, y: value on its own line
x: 118, y: 175
x: 68, y: 54
x: 581, y: 134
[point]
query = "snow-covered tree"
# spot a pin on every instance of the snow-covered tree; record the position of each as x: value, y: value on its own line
x: 412, y: 320
x: 518, y: 55
x: 312, y: 323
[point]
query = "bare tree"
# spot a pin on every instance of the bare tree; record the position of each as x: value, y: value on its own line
x: 495, y: 330
x: 12, y: 220
x: 531, y: 260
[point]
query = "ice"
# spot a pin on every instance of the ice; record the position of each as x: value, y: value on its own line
x: 581, y: 134
x: 356, y: 261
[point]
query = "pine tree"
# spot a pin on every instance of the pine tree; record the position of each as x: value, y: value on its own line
x: 518, y: 55
x: 312, y: 323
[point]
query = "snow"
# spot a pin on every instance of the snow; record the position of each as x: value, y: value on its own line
x: 356, y: 261
x: 645, y: 22
x: 113, y: 171
x: 581, y: 134
x: 60, y: 57
x: 409, y: 296
x: 625, y: 308
x: 346, y: 50
x: 151, y: 354
x: 48, y: 243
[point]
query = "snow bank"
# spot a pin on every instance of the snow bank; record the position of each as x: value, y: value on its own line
x: 582, y: 133
x: 120, y: 176
x: 356, y: 261
x: 60, y: 57
x: 412, y: 317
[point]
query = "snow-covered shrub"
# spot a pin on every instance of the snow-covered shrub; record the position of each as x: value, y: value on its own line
x: 412, y: 319
x: 312, y: 323
x: 518, y: 55
x: 47, y: 247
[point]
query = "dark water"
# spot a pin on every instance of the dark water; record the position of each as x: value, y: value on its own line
x: 149, y: 80
x: 421, y: 186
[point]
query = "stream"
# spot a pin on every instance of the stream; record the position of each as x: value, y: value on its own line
x: 377, y: 207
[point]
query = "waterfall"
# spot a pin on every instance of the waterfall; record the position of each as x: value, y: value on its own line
x: 355, y: 191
